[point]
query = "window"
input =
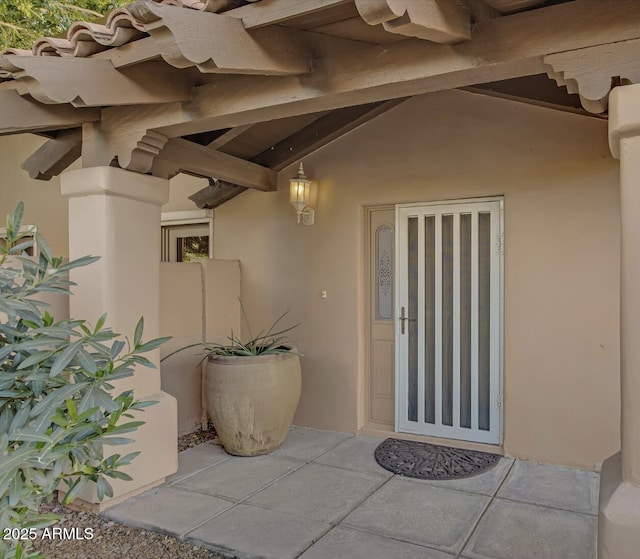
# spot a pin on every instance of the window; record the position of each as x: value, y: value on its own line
x: 187, y: 236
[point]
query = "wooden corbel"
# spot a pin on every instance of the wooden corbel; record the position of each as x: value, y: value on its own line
x: 589, y: 72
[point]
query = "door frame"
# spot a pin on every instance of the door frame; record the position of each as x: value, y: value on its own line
x: 398, y: 271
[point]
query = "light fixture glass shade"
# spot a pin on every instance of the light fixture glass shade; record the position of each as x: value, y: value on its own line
x: 299, y: 187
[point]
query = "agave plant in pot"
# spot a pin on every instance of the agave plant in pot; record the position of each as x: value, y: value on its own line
x: 252, y: 390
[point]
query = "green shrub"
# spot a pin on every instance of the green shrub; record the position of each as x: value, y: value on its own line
x: 57, y: 407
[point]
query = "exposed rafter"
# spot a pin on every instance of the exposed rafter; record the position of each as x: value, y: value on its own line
x: 321, y: 132
x: 217, y: 43
x: 55, y: 155
x: 281, y: 11
x: 85, y: 82
x: 182, y: 156
x: 362, y: 74
x: 440, y: 21
x: 304, y: 142
x: 22, y: 114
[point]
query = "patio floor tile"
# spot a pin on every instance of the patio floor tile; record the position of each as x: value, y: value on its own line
x: 356, y: 453
x: 421, y: 514
x: 552, y: 486
x: 168, y: 509
x: 198, y: 458
x: 511, y: 530
x: 237, y: 478
x: 352, y: 544
x: 486, y: 483
x: 249, y: 532
x: 318, y: 492
x: 303, y: 443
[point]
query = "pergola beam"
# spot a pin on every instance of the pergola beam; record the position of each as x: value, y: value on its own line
x: 440, y: 21
x: 180, y: 155
x: 280, y: 11
x: 365, y: 74
x: 217, y: 43
x: 22, y: 114
x: 55, y: 155
x: 85, y: 82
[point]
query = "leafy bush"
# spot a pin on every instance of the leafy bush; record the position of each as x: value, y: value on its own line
x: 57, y: 409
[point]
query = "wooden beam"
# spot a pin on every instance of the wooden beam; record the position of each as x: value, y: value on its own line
x: 299, y: 145
x: 86, y: 82
x: 320, y: 132
x: 440, y: 21
x: 182, y: 156
x: 216, y: 194
x: 365, y: 74
x: 270, y: 12
x: 229, y: 135
x: 528, y: 101
x: 217, y: 43
x: 136, y: 52
x: 55, y: 155
x: 22, y: 114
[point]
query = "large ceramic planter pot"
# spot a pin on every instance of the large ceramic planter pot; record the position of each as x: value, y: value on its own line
x: 251, y: 400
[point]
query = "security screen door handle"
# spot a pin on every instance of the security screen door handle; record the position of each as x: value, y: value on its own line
x: 403, y: 318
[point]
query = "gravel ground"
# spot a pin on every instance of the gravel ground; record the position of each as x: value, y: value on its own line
x: 112, y: 540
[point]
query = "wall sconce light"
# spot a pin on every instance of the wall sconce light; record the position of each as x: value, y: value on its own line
x: 299, y: 196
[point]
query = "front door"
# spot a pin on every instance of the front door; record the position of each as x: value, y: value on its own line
x: 448, y: 320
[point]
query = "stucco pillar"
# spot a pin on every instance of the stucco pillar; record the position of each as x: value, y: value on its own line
x: 619, y: 508
x: 115, y: 214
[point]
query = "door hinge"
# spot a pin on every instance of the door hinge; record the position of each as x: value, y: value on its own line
x: 499, y: 400
x: 500, y: 243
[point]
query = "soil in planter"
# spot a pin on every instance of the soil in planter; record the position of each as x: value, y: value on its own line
x: 197, y: 437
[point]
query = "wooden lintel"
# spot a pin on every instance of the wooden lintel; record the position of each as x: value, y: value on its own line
x: 179, y: 155
x: 86, y: 82
x: 320, y: 132
x: 55, y: 155
x: 22, y: 114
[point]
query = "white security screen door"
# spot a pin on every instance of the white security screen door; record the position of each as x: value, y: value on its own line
x: 449, y: 309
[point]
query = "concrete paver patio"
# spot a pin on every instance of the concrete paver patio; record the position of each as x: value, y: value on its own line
x: 323, y: 496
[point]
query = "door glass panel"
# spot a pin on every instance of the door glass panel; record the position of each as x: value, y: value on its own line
x: 429, y: 319
x: 447, y: 319
x: 412, y: 311
x: 484, y: 317
x: 465, y: 320
x: 384, y: 273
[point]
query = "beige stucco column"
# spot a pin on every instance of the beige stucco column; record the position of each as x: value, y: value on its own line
x: 115, y: 214
x: 619, y: 511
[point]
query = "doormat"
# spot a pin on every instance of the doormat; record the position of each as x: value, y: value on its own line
x: 430, y: 461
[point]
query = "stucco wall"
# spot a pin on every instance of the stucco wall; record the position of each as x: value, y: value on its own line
x: 44, y: 205
x: 560, y: 187
x: 198, y: 302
